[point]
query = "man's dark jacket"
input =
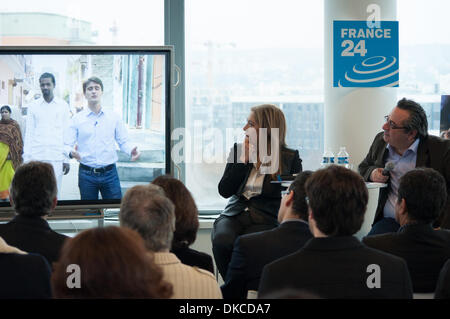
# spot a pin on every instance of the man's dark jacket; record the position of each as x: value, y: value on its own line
x: 33, y: 235
x: 424, y: 249
x: 338, y: 267
x: 432, y: 152
x: 24, y: 277
x: 443, y: 285
x: 253, y: 251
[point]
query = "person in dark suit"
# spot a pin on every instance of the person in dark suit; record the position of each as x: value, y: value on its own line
x: 335, y: 264
x: 406, y: 143
x: 186, y: 223
x: 421, y: 195
x: 254, y: 200
x: 22, y: 275
x: 443, y: 284
x: 33, y: 196
x: 252, y: 252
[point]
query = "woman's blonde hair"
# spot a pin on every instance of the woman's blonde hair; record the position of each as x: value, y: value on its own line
x: 269, y: 116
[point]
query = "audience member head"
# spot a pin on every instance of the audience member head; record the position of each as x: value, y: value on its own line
x: 337, y: 200
x: 113, y: 263
x: 186, y: 213
x: 33, y: 189
x: 146, y: 209
x: 422, y: 194
x: 293, y: 204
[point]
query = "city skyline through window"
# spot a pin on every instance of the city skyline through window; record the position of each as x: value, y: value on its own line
x: 240, y: 54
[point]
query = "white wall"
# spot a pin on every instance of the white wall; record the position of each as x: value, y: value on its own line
x: 353, y: 116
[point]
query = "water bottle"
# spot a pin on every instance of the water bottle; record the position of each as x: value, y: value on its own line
x: 327, y: 158
x: 343, y: 157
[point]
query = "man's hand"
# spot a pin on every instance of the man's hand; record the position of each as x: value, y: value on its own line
x: 135, y: 154
x: 66, y: 168
x: 75, y: 155
x: 377, y: 176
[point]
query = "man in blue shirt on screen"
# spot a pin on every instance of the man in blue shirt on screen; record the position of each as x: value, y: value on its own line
x: 95, y: 131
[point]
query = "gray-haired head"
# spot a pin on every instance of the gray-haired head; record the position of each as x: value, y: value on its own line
x: 147, y: 210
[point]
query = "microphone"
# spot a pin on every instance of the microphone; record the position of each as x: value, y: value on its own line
x: 388, y: 168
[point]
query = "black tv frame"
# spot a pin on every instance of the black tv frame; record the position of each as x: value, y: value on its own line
x: 91, y: 208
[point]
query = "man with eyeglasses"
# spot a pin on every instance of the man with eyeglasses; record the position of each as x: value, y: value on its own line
x: 405, y: 143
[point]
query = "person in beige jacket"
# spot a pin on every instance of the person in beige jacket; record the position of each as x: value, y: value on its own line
x: 146, y: 209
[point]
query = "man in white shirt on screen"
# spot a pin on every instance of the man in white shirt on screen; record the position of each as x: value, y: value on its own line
x: 95, y: 132
x: 47, y: 121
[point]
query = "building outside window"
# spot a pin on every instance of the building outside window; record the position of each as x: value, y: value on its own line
x: 241, y: 54
x: 238, y: 54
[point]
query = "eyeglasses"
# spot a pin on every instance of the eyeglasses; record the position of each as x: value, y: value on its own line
x: 392, y: 125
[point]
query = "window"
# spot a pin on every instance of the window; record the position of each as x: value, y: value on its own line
x: 240, y: 54
x: 424, y: 55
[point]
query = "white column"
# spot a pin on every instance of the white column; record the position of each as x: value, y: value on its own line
x: 353, y: 116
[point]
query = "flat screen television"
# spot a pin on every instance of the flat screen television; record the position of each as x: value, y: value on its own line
x: 136, y: 91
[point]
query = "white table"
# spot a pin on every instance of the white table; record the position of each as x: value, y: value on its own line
x: 374, y: 190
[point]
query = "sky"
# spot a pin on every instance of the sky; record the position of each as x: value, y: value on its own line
x: 256, y: 23
x: 423, y: 21
x: 246, y: 23
x: 242, y: 23
x: 138, y: 21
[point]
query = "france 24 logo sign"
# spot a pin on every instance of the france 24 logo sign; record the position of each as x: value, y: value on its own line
x: 365, y: 56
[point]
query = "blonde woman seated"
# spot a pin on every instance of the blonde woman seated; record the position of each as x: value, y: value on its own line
x: 250, y: 169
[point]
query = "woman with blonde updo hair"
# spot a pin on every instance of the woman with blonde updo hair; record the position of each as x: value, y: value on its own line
x: 251, y: 167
